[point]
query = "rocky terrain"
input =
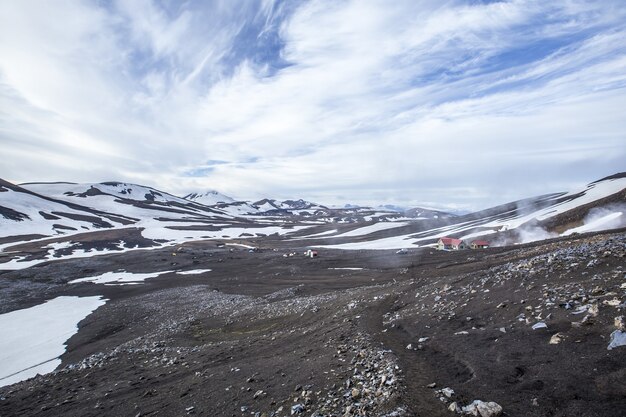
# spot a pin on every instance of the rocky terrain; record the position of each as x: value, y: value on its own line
x: 524, y: 330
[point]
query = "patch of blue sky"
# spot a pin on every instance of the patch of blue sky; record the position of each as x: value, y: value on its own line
x: 475, y: 63
x: 209, y: 166
x: 258, y: 44
x: 215, y: 162
x: 534, y: 51
x: 250, y: 160
x: 259, y: 41
x: 198, y: 172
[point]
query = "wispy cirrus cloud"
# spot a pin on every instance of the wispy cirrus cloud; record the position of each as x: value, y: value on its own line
x: 470, y: 103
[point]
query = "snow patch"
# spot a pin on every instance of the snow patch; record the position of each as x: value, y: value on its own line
x: 376, y: 227
x: 119, y: 278
x: 194, y: 272
x: 348, y: 269
x: 34, y: 338
x: 601, y: 218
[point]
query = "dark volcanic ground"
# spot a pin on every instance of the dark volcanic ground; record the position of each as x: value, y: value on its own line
x: 268, y: 335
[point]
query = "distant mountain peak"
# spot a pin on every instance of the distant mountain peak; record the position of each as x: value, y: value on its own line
x: 209, y: 198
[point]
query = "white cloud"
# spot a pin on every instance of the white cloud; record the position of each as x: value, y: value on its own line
x: 462, y: 103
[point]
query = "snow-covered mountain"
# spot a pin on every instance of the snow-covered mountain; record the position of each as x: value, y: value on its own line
x: 598, y: 206
x: 209, y: 198
x: 271, y: 206
x: 425, y: 213
x: 59, y: 208
x: 53, y: 208
x: 25, y: 212
x: 86, y: 192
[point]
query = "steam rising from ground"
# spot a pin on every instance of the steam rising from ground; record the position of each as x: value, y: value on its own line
x: 602, y: 218
x: 607, y: 217
x: 527, y: 234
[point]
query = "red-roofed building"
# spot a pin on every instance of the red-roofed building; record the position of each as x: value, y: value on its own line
x: 450, y: 243
x: 479, y: 244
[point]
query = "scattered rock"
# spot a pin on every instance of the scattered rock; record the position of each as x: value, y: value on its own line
x: 557, y: 338
x: 483, y: 409
x: 540, y: 325
x: 618, y: 338
x: 448, y: 392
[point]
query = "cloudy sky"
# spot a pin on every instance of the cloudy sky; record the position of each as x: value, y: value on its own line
x: 449, y: 103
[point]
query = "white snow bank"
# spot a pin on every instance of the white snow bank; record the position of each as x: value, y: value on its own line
x: 241, y: 245
x: 18, y: 263
x: 325, y: 233
x: 119, y: 278
x: 610, y: 221
x: 376, y: 227
x: 180, y: 236
x: 34, y: 338
x: 194, y: 272
x: 393, y: 242
x: 348, y: 269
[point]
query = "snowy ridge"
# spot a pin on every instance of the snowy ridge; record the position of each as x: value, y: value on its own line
x: 209, y: 198
x: 50, y: 209
x: 521, y: 219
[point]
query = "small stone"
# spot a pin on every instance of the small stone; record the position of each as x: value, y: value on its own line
x: 489, y: 409
x: 454, y: 407
x: 483, y: 409
x: 448, y: 392
x: 355, y: 393
x: 557, y: 338
x: 540, y: 325
x: 431, y: 385
x: 618, y: 338
x: 297, y: 409
x: 620, y: 324
x: 597, y: 291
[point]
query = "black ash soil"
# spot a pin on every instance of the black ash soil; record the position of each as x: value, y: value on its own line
x: 264, y: 334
